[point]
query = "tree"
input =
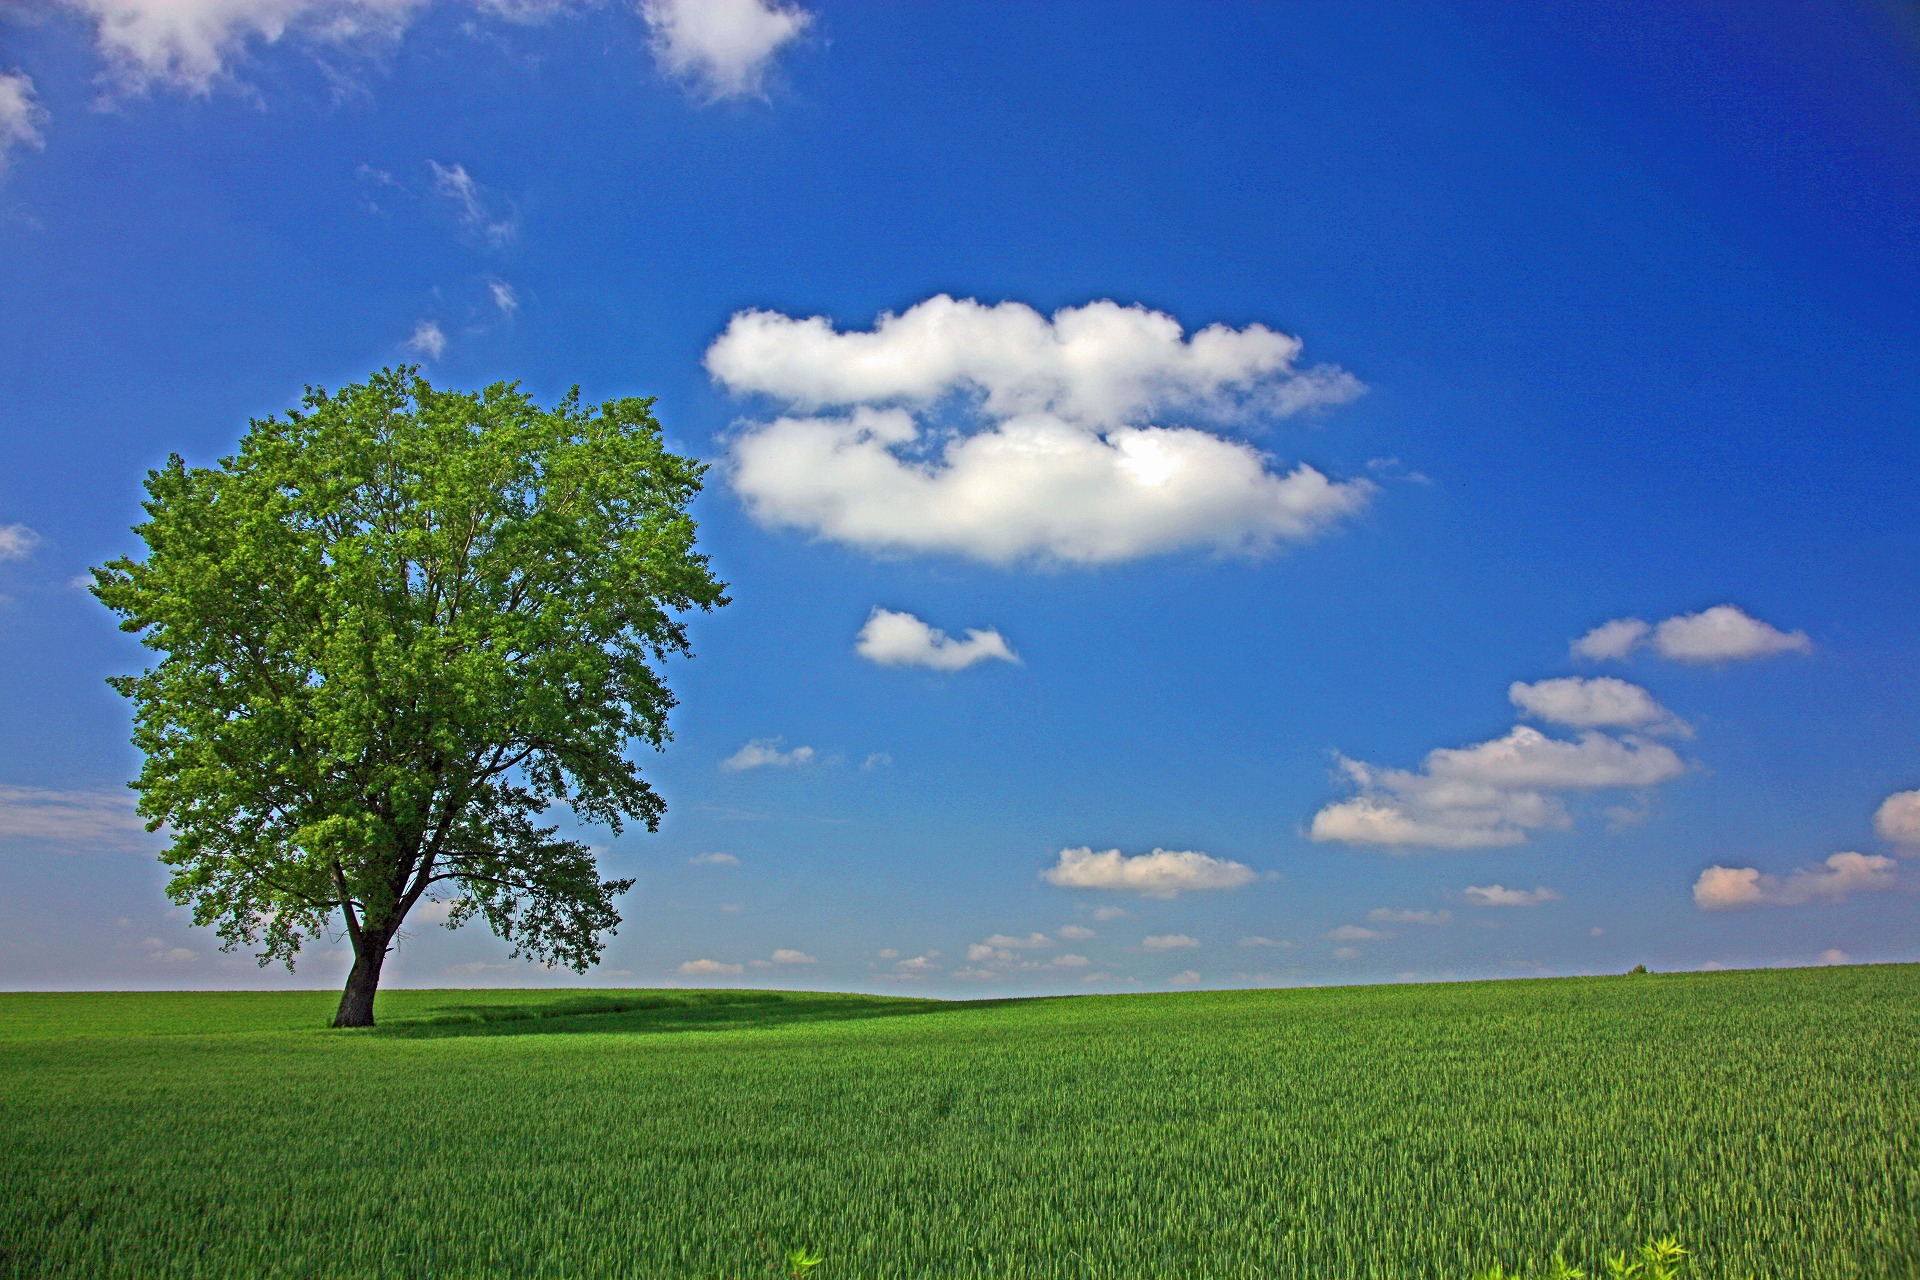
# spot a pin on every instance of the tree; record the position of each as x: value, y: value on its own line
x: 397, y: 626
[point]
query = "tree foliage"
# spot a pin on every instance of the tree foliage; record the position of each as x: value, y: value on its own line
x: 397, y: 626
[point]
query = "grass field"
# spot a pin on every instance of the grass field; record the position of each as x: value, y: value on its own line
x: 1770, y: 1119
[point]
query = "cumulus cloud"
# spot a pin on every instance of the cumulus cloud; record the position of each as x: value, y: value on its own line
x: 1168, y: 941
x: 787, y: 955
x: 1489, y: 794
x: 470, y: 204
x: 78, y: 819
x: 1496, y: 895
x: 1185, y: 978
x: 1610, y: 640
x: 1164, y: 873
x: 1842, y: 874
x: 1102, y: 364
x: 1387, y: 915
x: 1898, y: 819
x: 1000, y: 947
x: 710, y: 969
x: 428, y: 340
x: 901, y: 640
x: 1357, y: 933
x: 1600, y: 703
x: 877, y: 760
x: 1105, y: 914
x: 22, y: 118
x: 1834, y: 955
x: 763, y: 753
x: 1724, y: 633
x: 1346, y: 953
x: 713, y: 860
x: 1054, y: 463
x: 1076, y: 932
x: 1258, y: 941
x: 193, y: 44
x: 725, y: 47
x: 17, y: 542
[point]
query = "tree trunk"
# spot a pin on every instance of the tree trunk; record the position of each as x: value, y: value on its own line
x: 356, y: 1002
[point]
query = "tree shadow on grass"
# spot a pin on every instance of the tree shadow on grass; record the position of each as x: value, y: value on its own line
x: 654, y: 1012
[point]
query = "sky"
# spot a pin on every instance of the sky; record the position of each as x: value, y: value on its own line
x: 1226, y: 496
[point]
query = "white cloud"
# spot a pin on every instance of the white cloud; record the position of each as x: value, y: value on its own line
x: 1184, y: 978
x: 713, y: 860
x: 1724, y: 633
x: 1898, y: 819
x: 765, y: 753
x: 878, y: 760
x: 162, y: 953
x: 1164, y: 873
x: 1496, y: 895
x: 1257, y: 941
x: 1834, y: 955
x: 192, y: 44
x: 1068, y: 960
x: 710, y: 969
x: 1168, y: 941
x: 21, y: 116
x: 917, y: 966
x: 901, y: 640
x: 1600, y: 703
x: 1842, y: 874
x: 428, y: 340
x: 724, y: 46
x: 1076, y: 932
x: 888, y: 953
x: 1100, y: 365
x: 1105, y: 914
x: 999, y: 948
x: 1489, y: 794
x: 1346, y: 953
x: 456, y: 184
x: 1614, y: 639
x: 1054, y: 464
x: 1357, y: 933
x: 104, y: 819
x: 504, y: 297
x: 1387, y: 915
x: 17, y: 543
x: 787, y: 955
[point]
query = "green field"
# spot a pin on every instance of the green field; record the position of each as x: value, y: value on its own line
x: 1770, y: 1119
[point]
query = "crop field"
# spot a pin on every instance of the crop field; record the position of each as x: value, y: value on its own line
x: 1769, y: 1119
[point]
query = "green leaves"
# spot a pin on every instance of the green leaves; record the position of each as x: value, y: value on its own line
x: 395, y: 628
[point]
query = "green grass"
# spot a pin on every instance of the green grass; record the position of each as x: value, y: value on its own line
x: 1770, y: 1120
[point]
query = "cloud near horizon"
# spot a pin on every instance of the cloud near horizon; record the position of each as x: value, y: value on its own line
x: 1495, y: 895
x: 895, y: 639
x: 1724, y: 633
x: 1489, y: 794
x: 1839, y: 876
x: 1053, y: 462
x: 1897, y: 820
x: 1164, y: 873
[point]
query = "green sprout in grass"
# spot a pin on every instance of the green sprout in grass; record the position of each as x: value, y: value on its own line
x: 800, y: 1263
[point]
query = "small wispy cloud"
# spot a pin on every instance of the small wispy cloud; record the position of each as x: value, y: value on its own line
x: 428, y: 340
x: 470, y: 203
x: 765, y: 753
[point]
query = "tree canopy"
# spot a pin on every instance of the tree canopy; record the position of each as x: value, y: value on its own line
x: 397, y: 627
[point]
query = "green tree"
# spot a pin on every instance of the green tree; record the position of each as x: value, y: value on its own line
x: 397, y: 627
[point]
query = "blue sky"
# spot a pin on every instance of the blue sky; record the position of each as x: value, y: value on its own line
x: 1171, y: 463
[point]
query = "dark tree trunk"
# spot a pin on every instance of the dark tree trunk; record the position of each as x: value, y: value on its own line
x: 356, y: 1002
